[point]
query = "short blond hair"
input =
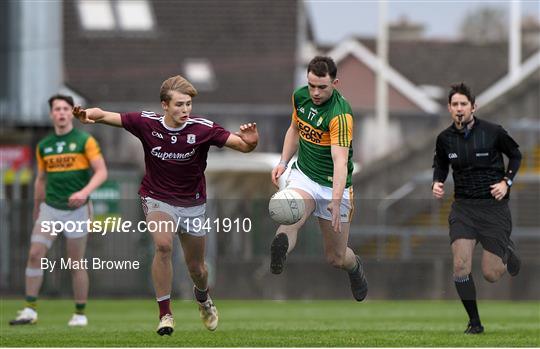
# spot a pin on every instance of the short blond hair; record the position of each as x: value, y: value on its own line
x: 176, y: 83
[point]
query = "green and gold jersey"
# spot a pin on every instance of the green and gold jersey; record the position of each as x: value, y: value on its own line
x: 66, y: 161
x: 319, y: 127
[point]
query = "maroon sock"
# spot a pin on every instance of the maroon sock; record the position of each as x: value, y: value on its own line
x: 164, y: 304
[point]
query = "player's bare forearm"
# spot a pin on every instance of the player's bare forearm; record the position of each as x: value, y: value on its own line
x: 339, y: 180
x: 99, y: 176
x: 109, y: 118
x: 290, y: 146
x: 246, y: 147
x: 80, y: 197
x: 290, y: 143
x: 245, y: 140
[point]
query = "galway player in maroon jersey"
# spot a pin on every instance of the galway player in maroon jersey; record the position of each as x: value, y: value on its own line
x: 173, y: 189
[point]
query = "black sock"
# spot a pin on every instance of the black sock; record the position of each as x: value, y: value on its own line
x: 200, y: 295
x: 467, y: 292
x: 79, y: 308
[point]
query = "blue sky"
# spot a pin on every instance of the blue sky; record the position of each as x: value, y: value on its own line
x: 333, y: 20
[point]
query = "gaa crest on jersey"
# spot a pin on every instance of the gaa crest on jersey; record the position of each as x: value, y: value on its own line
x: 319, y: 122
x: 191, y: 138
x: 72, y: 146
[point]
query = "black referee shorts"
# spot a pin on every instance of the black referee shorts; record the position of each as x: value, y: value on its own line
x: 486, y: 221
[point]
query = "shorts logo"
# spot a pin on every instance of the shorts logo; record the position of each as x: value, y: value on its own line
x: 452, y: 156
x: 481, y: 154
x: 191, y: 138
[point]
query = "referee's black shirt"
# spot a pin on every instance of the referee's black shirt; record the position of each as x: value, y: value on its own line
x: 476, y: 158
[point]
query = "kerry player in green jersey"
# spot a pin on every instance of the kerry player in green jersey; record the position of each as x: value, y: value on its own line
x: 61, y: 194
x: 321, y: 131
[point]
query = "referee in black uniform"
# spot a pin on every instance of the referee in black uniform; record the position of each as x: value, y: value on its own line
x: 480, y: 213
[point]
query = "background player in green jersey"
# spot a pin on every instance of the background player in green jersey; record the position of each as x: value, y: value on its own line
x: 61, y: 194
x: 321, y: 131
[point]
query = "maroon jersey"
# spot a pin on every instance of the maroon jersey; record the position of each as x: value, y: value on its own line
x: 175, y: 159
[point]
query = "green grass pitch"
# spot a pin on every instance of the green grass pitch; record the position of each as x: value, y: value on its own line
x: 120, y: 323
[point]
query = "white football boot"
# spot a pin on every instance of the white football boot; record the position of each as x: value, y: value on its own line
x: 78, y: 320
x: 166, y: 325
x: 209, y: 314
x: 27, y: 316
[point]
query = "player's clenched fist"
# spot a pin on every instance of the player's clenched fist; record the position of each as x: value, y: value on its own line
x: 82, y: 115
x: 438, y: 190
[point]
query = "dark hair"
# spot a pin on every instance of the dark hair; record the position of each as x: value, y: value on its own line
x: 462, y: 89
x: 321, y: 66
x: 67, y: 99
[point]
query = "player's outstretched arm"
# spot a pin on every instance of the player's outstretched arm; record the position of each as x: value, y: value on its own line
x: 245, y: 140
x: 93, y: 115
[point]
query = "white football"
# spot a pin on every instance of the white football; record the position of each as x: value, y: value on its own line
x: 286, y: 207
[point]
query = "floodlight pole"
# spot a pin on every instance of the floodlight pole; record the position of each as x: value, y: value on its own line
x: 381, y: 85
x: 37, y: 66
x: 514, y: 42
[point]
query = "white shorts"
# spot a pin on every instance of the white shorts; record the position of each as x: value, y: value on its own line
x: 190, y: 220
x: 322, y: 196
x: 72, y: 219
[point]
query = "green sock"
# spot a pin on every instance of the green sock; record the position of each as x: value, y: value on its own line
x: 31, y: 302
x: 79, y: 308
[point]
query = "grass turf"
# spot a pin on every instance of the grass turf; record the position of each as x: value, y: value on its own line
x: 120, y: 323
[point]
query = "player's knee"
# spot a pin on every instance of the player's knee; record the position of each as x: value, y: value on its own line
x: 35, y: 255
x: 164, y: 248
x: 462, y: 267
x: 491, y: 275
